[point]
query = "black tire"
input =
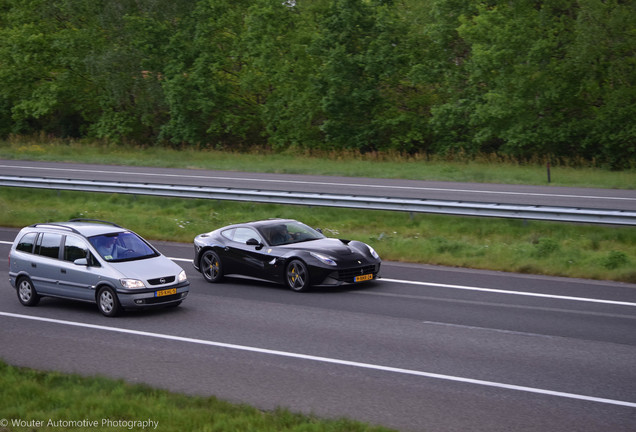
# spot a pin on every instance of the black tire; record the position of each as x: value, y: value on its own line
x: 108, y: 302
x: 297, y: 276
x: 26, y: 292
x: 211, y: 267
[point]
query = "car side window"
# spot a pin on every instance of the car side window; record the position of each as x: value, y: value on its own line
x: 49, y: 245
x: 242, y: 235
x: 74, y: 248
x: 26, y: 242
x: 228, y: 234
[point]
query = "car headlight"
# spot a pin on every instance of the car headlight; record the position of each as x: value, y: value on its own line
x: 374, y: 254
x: 132, y: 283
x: 323, y: 258
x: 182, y: 276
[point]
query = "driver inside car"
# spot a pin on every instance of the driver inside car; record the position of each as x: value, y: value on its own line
x: 108, y: 249
x: 279, y: 235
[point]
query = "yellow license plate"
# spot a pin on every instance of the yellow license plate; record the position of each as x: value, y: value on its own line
x: 166, y: 292
x: 363, y: 278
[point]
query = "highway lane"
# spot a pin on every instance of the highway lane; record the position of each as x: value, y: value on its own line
x: 415, y: 357
x: 434, y: 190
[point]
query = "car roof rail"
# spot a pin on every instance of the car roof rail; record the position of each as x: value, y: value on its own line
x: 54, y: 225
x: 94, y: 220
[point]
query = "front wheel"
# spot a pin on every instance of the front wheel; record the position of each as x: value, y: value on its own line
x: 297, y: 276
x: 26, y: 292
x: 210, y: 265
x: 108, y: 302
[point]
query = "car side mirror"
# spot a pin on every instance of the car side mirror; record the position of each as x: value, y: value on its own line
x: 319, y: 230
x: 254, y: 242
x: 81, y: 262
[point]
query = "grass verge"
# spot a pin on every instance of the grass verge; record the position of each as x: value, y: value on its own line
x: 483, y: 169
x: 549, y: 248
x: 32, y: 400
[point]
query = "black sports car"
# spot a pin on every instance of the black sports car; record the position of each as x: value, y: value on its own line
x: 284, y: 251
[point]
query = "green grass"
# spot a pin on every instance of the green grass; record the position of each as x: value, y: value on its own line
x: 573, y: 250
x: 559, y: 249
x: 484, y: 169
x: 66, y: 400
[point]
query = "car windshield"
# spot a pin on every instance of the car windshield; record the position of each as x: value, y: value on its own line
x: 122, y: 246
x: 284, y: 233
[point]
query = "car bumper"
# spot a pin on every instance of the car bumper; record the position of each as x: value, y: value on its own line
x: 166, y: 296
x: 347, y: 276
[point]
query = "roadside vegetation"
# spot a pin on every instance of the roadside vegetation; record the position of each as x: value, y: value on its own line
x: 27, y: 397
x: 534, y: 247
x: 438, y: 77
x: 485, y: 168
x: 573, y: 250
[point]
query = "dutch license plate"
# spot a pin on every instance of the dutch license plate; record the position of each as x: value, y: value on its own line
x: 363, y: 278
x: 166, y: 292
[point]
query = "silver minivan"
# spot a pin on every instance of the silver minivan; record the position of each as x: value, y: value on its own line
x: 93, y: 261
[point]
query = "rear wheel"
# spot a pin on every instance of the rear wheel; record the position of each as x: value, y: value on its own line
x: 210, y: 265
x: 297, y: 276
x: 108, y: 302
x: 26, y: 292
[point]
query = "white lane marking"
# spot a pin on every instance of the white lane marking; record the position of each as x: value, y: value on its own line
x: 491, y: 290
x: 188, y: 260
x: 328, y: 360
x: 330, y: 183
x: 471, y: 288
x: 521, y: 293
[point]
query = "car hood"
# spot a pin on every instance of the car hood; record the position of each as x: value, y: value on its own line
x: 329, y: 246
x: 149, y: 268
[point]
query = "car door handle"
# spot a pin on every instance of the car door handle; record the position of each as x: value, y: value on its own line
x: 34, y: 265
x: 63, y: 271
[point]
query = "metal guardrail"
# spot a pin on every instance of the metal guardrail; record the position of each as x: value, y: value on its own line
x: 560, y: 214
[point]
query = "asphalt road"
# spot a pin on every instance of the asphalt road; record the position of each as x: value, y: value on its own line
x: 609, y: 199
x: 423, y: 349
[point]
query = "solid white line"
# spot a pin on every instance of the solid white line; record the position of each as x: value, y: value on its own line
x: 330, y: 183
x: 520, y: 293
x: 188, y: 260
x: 328, y: 360
x: 492, y: 290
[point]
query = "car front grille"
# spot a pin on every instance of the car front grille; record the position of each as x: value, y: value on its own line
x: 347, y: 275
x: 161, y: 281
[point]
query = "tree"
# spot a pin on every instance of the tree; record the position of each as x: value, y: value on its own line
x: 45, y: 85
x: 360, y: 46
x: 129, y: 69
x: 604, y: 55
x: 444, y: 70
x: 282, y: 71
x: 203, y: 79
x: 527, y: 92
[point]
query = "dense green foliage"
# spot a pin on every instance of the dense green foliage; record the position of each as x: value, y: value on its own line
x: 525, y: 79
